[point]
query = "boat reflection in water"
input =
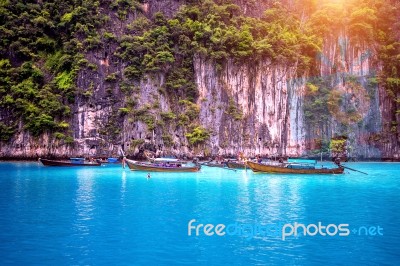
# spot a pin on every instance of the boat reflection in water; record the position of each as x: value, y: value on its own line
x: 236, y: 164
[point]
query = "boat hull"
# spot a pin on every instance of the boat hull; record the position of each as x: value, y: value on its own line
x: 257, y: 167
x: 47, y: 162
x: 221, y: 165
x: 139, y: 166
x: 236, y: 165
x: 108, y: 162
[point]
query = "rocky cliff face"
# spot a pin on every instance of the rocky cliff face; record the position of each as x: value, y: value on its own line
x: 252, y: 107
x: 270, y: 99
x: 351, y: 69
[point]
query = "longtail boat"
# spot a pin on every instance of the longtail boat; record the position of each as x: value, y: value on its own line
x: 72, y: 162
x: 162, y: 165
x: 110, y: 160
x: 292, y: 168
x: 236, y: 165
x: 211, y: 164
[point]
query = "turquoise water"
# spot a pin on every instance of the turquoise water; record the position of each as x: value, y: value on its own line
x: 111, y: 216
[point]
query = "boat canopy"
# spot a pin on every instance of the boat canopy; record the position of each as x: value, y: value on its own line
x: 164, y: 160
x: 77, y: 160
x: 302, y: 161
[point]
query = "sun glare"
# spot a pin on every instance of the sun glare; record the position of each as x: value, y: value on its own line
x: 335, y: 2
x: 332, y: 1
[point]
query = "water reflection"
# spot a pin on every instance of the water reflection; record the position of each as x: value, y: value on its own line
x: 270, y: 196
x: 123, y: 189
x: 243, y: 209
x: 277, y: 198
x: 295, y: 201
x: 245, y: 176
x: 84, y: 201
x: 123, y: 184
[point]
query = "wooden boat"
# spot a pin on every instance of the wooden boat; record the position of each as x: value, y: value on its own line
x: 110, y: 160
x: 291, y: 168
x: 236, y: 165
x: 162, y: 165
x: 211, y: 164
x: 72, y: 162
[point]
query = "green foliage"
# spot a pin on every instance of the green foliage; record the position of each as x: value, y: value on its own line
x: 192, y: 110
x: 41, y: 56
x: 123, y: 111
x: 65, y: 80
x: 63, y: 125
x: 67, y: 17
x: 316, y: 100
x: 179, y: 81
x: 145, y: 116
x: 329, y: 19
x: 358, y: 16
x: 167, y: 140
x: 168, y: 116
x: 222, y: 31
x: 92, y: 42
x: 132, y: 72
x: 312, y: 89
x: 111, y: 78
x: 234, y: 111
x: 111, y: 129
x: 321, y: 145
x: 338, y: 145
x: 139, y: 26
x: 136, y: 142
x: 27, y: 96
x: 149, y: 120
x: 198, y: 135
x: 38, y: 124
x: 151, y: 51
x: 53, y: 60
x: 59, y: 135
x: 6, y: 132
x: 108, y: 36
x: 362, y: 22
x: 69, y: 140
x: 324, y: 103
x: 216, y: 31
x: 126, y: 88
x: 122, y: 7
x: 183, y: 120
x: 387, y: 37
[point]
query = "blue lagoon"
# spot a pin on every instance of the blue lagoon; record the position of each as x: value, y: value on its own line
x: 112, y: 216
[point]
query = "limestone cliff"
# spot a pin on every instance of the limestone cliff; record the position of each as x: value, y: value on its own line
x: 255, y: 107
x: 251, y: 108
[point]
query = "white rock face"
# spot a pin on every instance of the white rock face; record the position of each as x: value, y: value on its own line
x: 267, y: 99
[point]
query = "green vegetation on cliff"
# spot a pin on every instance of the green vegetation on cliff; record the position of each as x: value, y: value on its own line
x: 45, y: 45
x: 373, y: 28
x: 42, y: 50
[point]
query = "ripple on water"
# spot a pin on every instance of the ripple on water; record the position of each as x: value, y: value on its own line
x: 112, y: 216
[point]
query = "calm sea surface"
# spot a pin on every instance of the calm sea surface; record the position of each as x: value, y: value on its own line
x: 111, y: 216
